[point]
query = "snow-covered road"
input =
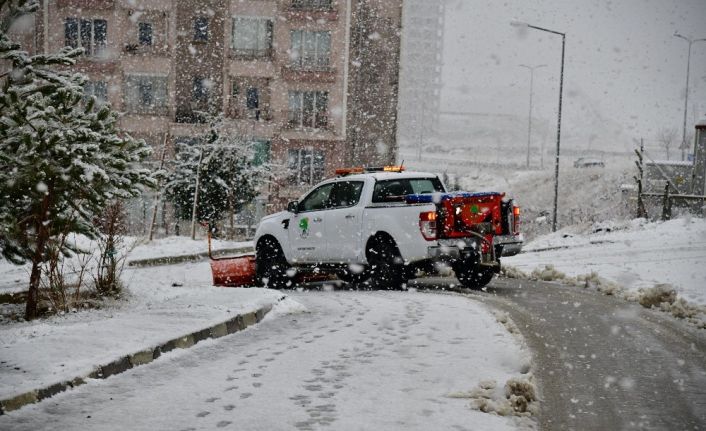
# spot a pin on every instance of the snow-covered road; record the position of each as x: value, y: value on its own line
x: 345, y: 360
x: 603, y: 363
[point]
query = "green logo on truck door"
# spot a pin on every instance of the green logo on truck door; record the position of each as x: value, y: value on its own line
x: 304, y: 226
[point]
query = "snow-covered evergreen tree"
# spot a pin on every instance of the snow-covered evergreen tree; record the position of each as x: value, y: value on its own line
x: 61, y: 160
x: 231, y: 172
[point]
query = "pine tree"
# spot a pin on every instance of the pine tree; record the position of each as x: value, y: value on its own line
x: 231, y: 173
x: 61, y: 160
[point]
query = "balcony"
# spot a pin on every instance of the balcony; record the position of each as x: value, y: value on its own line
x: 309, y: 73
x: 186, y: 114
x: 312, y: 10
x: 266, y: 54
x: 239, y: 113
x: 154, y: 50
x: 86, y: 4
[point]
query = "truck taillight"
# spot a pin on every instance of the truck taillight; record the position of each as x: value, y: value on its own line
x: 516, y: 219
x: 427, y: 224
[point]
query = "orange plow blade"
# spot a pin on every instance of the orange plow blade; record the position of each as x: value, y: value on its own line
x: 233, y: 271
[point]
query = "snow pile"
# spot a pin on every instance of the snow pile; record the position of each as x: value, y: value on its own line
x: 659, y: 264
x: 517, y: 398
x: 661, y: 296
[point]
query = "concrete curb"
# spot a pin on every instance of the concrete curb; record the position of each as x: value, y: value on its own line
x: 120, y: 365
x: 171, y: 260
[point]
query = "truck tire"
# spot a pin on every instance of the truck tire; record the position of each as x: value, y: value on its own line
x: 385, y: 272
x: 471, y: 274
x: 270, y: 265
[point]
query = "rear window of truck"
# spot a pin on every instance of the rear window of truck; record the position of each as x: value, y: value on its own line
x: 386, y: 189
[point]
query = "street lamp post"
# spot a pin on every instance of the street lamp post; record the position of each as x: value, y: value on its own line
x: 686, y: 92
x: 529, y: 121
x: 558, y: 127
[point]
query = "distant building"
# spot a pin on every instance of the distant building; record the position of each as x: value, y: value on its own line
x: 420, y: 70
x: 313, y: 82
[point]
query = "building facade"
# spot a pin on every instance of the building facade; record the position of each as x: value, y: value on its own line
x: 313, y: 82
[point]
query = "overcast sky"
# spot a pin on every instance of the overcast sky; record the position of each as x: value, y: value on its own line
x: 624, y: 68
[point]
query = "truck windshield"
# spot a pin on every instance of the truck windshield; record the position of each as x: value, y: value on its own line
x: 405, y: 186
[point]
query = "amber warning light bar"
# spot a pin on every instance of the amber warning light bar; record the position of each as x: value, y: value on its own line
x: 360, y: 170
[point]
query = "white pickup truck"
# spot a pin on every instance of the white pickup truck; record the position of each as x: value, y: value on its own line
x: 382, y: 227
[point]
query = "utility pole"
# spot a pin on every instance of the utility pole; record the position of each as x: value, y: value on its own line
x: 558, y: 126
x: 529, y: 119
x: 159, y: 190
x: 686, y: 91
x: 196, y: 195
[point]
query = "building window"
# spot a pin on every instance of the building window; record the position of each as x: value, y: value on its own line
x: 252, y: 37
x: 89, y: 34
x: 310, y: 49
x: 146, y: 94
x: 261, y: 151
x: 97, y: 89
x: 201, y: 29
x: 250, y: 98
x: 145, y: 33
x: 311, y: 4
x: 200, y: 89
x: 308, y: 109
x: 306, y: 166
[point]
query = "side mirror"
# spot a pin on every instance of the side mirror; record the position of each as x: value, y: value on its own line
x: 293, y: 207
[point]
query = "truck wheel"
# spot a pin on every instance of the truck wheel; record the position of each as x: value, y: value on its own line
x: 475, y: 280
x: 385, y: 273
x: 471, y: 275
x: 271, y: 266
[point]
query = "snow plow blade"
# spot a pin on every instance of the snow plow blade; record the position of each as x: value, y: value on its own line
x: 233, y: 271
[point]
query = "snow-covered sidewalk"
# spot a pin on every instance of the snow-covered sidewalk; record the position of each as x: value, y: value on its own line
x: 180, y: 246
x: 35, y: 355
x: 635, y: 255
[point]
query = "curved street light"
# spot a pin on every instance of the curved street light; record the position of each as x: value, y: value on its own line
x: 686, y: 95
x: 529, y: 122
x: 516, y: 23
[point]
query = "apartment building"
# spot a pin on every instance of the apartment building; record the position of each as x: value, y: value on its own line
x: 313, y: 82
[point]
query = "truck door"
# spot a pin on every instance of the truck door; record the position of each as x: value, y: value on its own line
x: 344, y: 223
x: 307, y: 234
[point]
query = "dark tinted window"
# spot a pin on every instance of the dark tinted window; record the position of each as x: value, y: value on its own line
x: 386, y: 189
x: 317, y: 199
x: 201, y: 29
x: 145, y: 33
x: 345, y: 194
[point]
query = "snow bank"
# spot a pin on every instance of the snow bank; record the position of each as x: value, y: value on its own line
x: 39, y: 353
x: 179, y: 246
x: 14, y: 278
x: 658, y: 264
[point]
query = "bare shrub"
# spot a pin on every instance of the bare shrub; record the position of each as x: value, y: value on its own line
x: 61, y: 282
x: 112, y: 226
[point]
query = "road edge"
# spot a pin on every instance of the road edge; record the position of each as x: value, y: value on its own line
x: 142, y: 357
